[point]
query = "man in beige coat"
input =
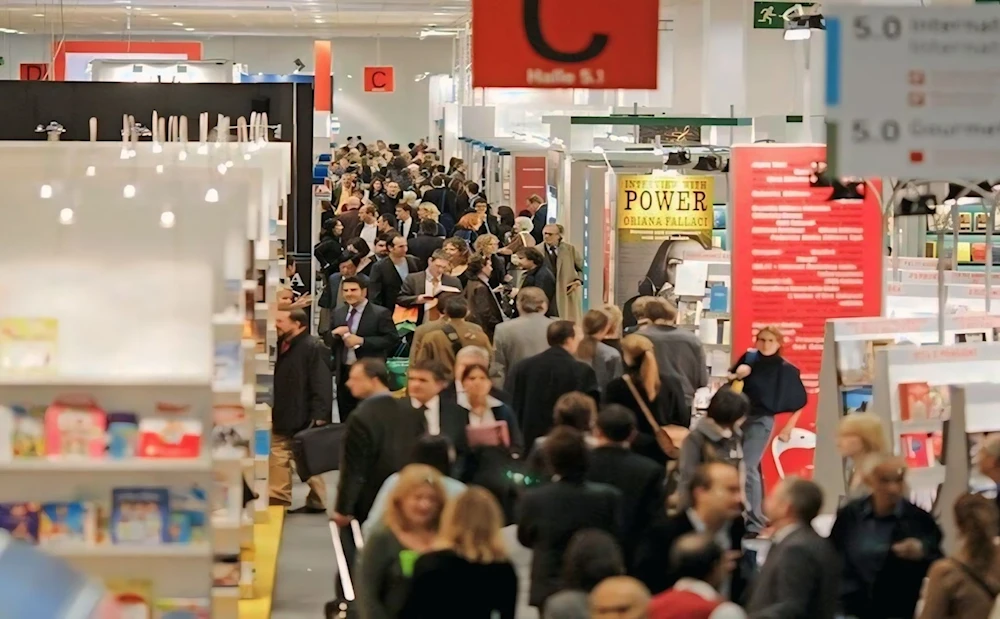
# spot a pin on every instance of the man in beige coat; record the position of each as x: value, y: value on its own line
x: 566, y: 264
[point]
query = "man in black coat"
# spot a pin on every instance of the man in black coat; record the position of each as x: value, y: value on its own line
x: 303, y: 397
x: 360, y: 330
x: 537, y: 382
x: 426, y: 242
x: 716, y: 509
x: 388, y: 274
x: 428, y: 290
x: 379, y: 440
x: 538, y: 274
x: 640, y: 479
x: 442, y: 197
x: 799, y: 579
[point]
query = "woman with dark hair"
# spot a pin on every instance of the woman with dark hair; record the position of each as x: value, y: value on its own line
x: 360, y: 248
x: 457, y: 185
x: 484, y: 310
x: 606, y: 361
x: 505, y: 215
x: 966, y: 585
x: 592, y: 556
x: 329, y: 249
x: 377, y: 188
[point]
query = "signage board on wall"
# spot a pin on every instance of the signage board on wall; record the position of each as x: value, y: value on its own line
x: 773, y: 15
x: 800, y: 260
x: 380, y: 79
x: 586, y: 44
x: 658, y: 219
x: 530, y: 179
x: 34, y: 72
x: 935, y: 116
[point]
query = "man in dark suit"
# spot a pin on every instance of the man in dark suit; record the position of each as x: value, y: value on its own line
x: 348, y: 267
x: 539, y: 216
x: 426, y: 290
x: 406, y: 223
x: 537, y: 382
x: 427, y: 241
x: 388, y: 274
x: 442, y: 197
x: 538, y: 275
x: 426, y: 380
x: 361, y: 329
x: 351, y: 219
x: 716, y: 509
x: 379, y: 440
x: 640, y: 480
x: 701, y: 568
x: 800, y: 577
x: 303, y: 397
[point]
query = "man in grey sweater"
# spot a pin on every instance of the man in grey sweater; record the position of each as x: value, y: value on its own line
x: 678, y: 351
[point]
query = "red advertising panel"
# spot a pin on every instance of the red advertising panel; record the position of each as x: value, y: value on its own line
x: 380, y: 79
x: 807, y: 260
x: 564, y: 44
x: 529, y: 179
x: 34, y: 72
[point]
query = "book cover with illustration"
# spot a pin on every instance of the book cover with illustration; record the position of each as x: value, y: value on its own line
x: 921, y: 402
x: 140, y: 515
x: 917, y: 449
x: 188, y: 511
x: 68, y: 523
x: 29, y: 431
x: 21, y: 520
x: 857, y: 400
x: 133, y: 595
x: 123, y: 435
x: 28, y: 344
x: 181, y: 608
x: 167, y: 437
x: 75, y: 429
x: 231, y: 432
x: 856, y: 361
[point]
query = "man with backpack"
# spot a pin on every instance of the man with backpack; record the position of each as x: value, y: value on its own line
x: 715, y: 438
x: 441, y: 340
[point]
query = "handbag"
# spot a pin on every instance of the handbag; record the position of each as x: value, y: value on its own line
x: 317, y: 449
x: 668, y: 437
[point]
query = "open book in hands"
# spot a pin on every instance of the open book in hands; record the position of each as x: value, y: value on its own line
x: 494, y: 434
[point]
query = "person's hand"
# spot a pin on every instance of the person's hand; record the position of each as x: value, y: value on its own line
x: 743, y: 371
x: 910, y: 549
x: 320, y: 422
x: 341, y: 331
x: 514, y: 291
x: 341, y: 520
x: 573, y: 286
x: 352, y: 340
x: 424, y: 298
x: 786, y: 433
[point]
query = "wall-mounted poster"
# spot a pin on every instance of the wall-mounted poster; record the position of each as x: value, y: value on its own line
x: 659, y: 218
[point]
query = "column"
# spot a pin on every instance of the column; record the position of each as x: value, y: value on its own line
x: 323, y: 94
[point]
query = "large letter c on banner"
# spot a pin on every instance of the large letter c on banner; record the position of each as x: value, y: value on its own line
x: 533, y: 29
x: 375, y: 77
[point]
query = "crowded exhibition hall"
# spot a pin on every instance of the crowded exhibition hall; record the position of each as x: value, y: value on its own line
x: 499, y: 309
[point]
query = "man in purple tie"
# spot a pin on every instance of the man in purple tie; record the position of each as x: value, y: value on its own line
x: 361, y: 329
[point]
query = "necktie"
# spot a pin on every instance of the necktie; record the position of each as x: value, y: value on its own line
x: 350, y: 319
x: 285, y: 345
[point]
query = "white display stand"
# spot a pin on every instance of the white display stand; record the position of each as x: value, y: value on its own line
x: 953, y: 363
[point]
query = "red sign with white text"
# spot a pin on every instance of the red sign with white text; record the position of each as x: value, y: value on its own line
x: 34, y: 72
x: 565, y: 44
x: 380, y: 79
x: 530, y: 179
x: 808, y: 260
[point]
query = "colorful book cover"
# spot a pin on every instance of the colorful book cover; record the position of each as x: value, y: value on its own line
x: 917, y: 450
x: 133, y: 595
x: 228, y: 365
x: 965, y: 252
x: 67, y: 523
x: 226, y: 571
x: 21, y: 520
x: 857, y: 400
x: 123, y: 435
x: 982, y: 222
x: 965, y: 222
x: 75, y: 430
x: 262, y: 442
x: 181, y: 608
x: 29, y: 431
x: 718, y: 298
x: 914, y: 401
x: 28, y: 344
x: 978, y: 253
x: 140, y: 515
x: 188, y: 509
x: 231, y: 432
x: 161, y: 437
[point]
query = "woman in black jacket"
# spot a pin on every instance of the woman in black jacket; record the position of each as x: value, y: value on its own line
x: 644, y: 387
x: 773, y: 386
x: 484, y: 309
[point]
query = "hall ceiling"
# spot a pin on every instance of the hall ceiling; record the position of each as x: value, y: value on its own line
x: 313, y: 18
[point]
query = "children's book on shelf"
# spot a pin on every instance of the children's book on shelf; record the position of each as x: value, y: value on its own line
x: 188, y: 511
x: 228, y: 365
x: 123, y: 435
x: 21, y: 520
x: 231, y: 432
x: 28, y: 344
x: 918, y: 450
x: 74, y: 428
x: 133, y: 595
x: 29, y: 431
x: 140, y: 516
x: 68, y: 523
x: 169, y: 437
x: 920, y: 402
x: 857, y: 400
x: 965, y: 222
x: 718, y: 297
x: 689, y: 313
x: 181, y: 608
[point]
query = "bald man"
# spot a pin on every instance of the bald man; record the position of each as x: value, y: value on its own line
x: 989, y: 461
x: 619, y: 597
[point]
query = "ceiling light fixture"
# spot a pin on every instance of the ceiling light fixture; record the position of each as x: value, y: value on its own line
x: 66, y: 216
x: 45, y: 192
x: 39, y: 15
x: 212, y: 195
x: 167, y: 219
x: 190, y: 29
x: 800, y: 27
x: 177, y: 23
x: 128, y: 191
x: 91, y: 171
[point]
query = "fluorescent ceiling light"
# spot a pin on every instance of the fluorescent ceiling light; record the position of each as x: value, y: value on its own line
x: 439, y: 32
x: 39, y: 15
x: 177, y: 23
x: 190, y: 29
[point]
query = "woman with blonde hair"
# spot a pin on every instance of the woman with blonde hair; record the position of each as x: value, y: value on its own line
x: 469, y: 575
x: 427, y: 210
x: 487, y: 245
x: 643, y: 389
x: 860, y: 438
x: 613, y: 336
x: 773, y: 386
x: 409, y: 528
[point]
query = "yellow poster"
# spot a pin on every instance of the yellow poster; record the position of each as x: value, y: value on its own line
x: 666, y: 206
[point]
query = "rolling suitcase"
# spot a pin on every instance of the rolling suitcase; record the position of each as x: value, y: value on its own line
x: 345, y: 605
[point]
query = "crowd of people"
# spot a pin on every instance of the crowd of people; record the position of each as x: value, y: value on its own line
x: 476, y: 394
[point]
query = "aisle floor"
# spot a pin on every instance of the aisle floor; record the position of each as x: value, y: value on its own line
x: 307, y: 568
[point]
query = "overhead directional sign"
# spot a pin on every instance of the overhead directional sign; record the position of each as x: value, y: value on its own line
x: 914, y: 92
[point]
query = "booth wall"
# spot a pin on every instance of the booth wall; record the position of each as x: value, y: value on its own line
x: 25, y: 105
x: 398, y: 116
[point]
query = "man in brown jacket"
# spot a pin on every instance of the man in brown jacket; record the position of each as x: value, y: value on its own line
x: 441, y: 339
